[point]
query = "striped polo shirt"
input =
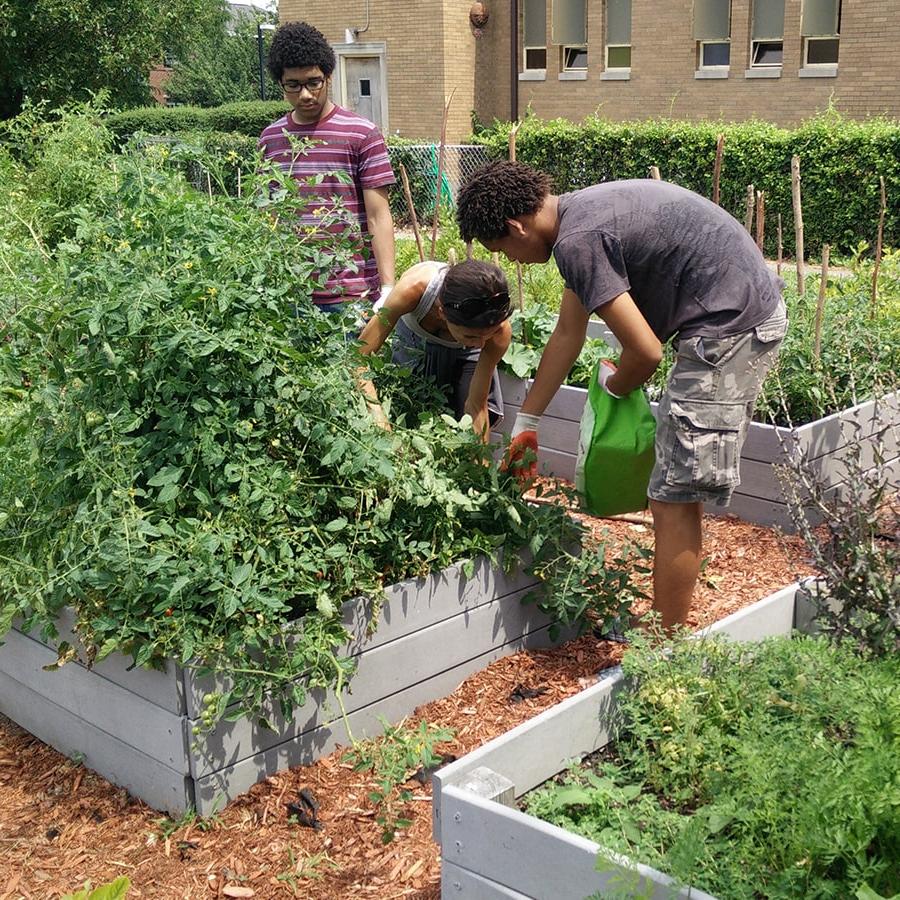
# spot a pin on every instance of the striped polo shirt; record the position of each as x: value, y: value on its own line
x: 342, y: 142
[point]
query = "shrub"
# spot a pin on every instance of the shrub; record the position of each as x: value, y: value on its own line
x: 247, y: 117
x: 841, y: 162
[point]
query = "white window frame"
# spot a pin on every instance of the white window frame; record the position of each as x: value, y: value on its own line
x: 526, y: 67
x: 581, y: 48
x: 772, y: 65
x: 610, y: 68
x: 819, y: 37
x: 717, y: 67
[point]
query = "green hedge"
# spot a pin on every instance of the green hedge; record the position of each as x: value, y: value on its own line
x: 841, y: 161
x: 248, y: 117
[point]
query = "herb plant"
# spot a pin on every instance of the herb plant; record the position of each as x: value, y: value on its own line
x: 749, y: 771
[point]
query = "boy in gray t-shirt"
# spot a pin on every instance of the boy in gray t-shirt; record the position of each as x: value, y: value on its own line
x: 654, y: 261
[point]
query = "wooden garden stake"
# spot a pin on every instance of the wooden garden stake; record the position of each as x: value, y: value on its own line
x: 209, y: 184
x: 780, y: 248
x: 878, y: 241
x: 820, y: 305
x: 748, y: 215
x: 798, y: 223
x: 717, y: 167
x: 512, y: 158
x: 654, y: 173
x: 239, y: 182
x: 468, y: 250
x: 412, y: 211
x: 440, y: 171
x: 451, y: 256
x: 760, y: 219
x: 495, y: 259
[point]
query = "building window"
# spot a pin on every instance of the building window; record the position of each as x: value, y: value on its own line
x: 820, y: 27
x: 712, y: 31
x: 535, y: 34
x: 574, y: 58
x: 767, y: 44
x: 715, y: 54
x: 618, y: 34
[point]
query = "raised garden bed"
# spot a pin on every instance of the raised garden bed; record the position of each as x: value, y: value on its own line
x: 760, y: 497
x: 135, y: 726
x: 490, y: 850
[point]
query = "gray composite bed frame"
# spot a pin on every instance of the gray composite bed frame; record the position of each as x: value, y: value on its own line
x: 490, y: 850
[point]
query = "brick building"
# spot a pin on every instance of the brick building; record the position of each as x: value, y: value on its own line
x: 777, y: 60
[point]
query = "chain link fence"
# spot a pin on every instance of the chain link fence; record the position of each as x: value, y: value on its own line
x: 421, y: 164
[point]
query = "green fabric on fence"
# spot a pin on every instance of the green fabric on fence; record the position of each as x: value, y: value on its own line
x: 615, y: 451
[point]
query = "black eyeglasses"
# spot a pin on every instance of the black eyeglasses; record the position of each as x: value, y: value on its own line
x: 478, y: 311
x: 313, y: 85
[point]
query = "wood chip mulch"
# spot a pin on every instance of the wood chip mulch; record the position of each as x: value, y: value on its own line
x: 61, y: 825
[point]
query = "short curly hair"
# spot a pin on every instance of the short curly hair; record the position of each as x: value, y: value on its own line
x: 497, y: 192
x: 298, y: 45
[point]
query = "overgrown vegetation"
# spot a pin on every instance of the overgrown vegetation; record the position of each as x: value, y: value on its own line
x: 768, y: 770
x: 186, y: 459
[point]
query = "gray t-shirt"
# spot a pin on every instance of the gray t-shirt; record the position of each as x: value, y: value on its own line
x: 690, y: 267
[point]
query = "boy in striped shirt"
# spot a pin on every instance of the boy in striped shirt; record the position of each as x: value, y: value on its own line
x: 302, y: 62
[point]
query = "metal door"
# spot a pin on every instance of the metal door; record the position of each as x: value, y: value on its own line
x: 362, y: 76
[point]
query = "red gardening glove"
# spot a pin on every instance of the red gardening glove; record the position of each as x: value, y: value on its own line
x: 515, y: 456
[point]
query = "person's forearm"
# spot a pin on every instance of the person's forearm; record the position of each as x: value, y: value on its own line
x: 633, y: 369
x: 557, y: 359
x: 382, y: 230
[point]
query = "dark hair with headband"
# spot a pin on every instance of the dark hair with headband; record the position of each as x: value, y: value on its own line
x: 475, y: 295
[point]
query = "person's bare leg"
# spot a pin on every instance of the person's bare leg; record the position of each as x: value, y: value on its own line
x: 676, y: 559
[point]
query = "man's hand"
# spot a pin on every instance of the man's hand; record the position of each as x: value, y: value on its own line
x: 524, y: 438
x: 606, y: 371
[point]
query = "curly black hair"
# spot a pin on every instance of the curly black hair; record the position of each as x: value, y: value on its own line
x: 297, y: 45
x: 497, y: 192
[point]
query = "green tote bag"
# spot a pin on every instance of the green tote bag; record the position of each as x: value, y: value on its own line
x: 615, y: 451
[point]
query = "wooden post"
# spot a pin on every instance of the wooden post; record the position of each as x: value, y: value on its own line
x: 468, y: 250
x: 654, y: 173
x: 780, y: 248
x: 239, y: 182
x: 878, y: 240
x: 820, y: 305
x: 748, y: 214
x: 512, y: 158
x: 451, y: 256
x: 209, y: 184
x: 412, y: 211
x: 798, y: 224
x: 760, y: 219
x: 440, y: 172
x: 717, y: 167
x: 495, y: 259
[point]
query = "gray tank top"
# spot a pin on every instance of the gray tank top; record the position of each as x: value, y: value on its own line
x: 413, y: 320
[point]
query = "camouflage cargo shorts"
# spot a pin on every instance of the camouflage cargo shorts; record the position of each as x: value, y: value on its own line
x: 704, y: 413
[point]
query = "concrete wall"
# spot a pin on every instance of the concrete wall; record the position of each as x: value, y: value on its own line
x: 432, y: 50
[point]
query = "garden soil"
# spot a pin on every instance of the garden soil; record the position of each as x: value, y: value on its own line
x: 61, y: 825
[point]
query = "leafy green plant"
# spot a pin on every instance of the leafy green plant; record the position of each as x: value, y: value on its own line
x: 392, y: 759
x: 187, y: 461
x: 114, y: 890
x: 305, y: 866
x: 748, y: 770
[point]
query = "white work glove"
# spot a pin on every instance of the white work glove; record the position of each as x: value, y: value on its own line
x: 383, y: 296
x: 524, y: 422
x: 606, y: 370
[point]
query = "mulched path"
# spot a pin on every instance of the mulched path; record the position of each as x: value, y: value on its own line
x: 61, y: 825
